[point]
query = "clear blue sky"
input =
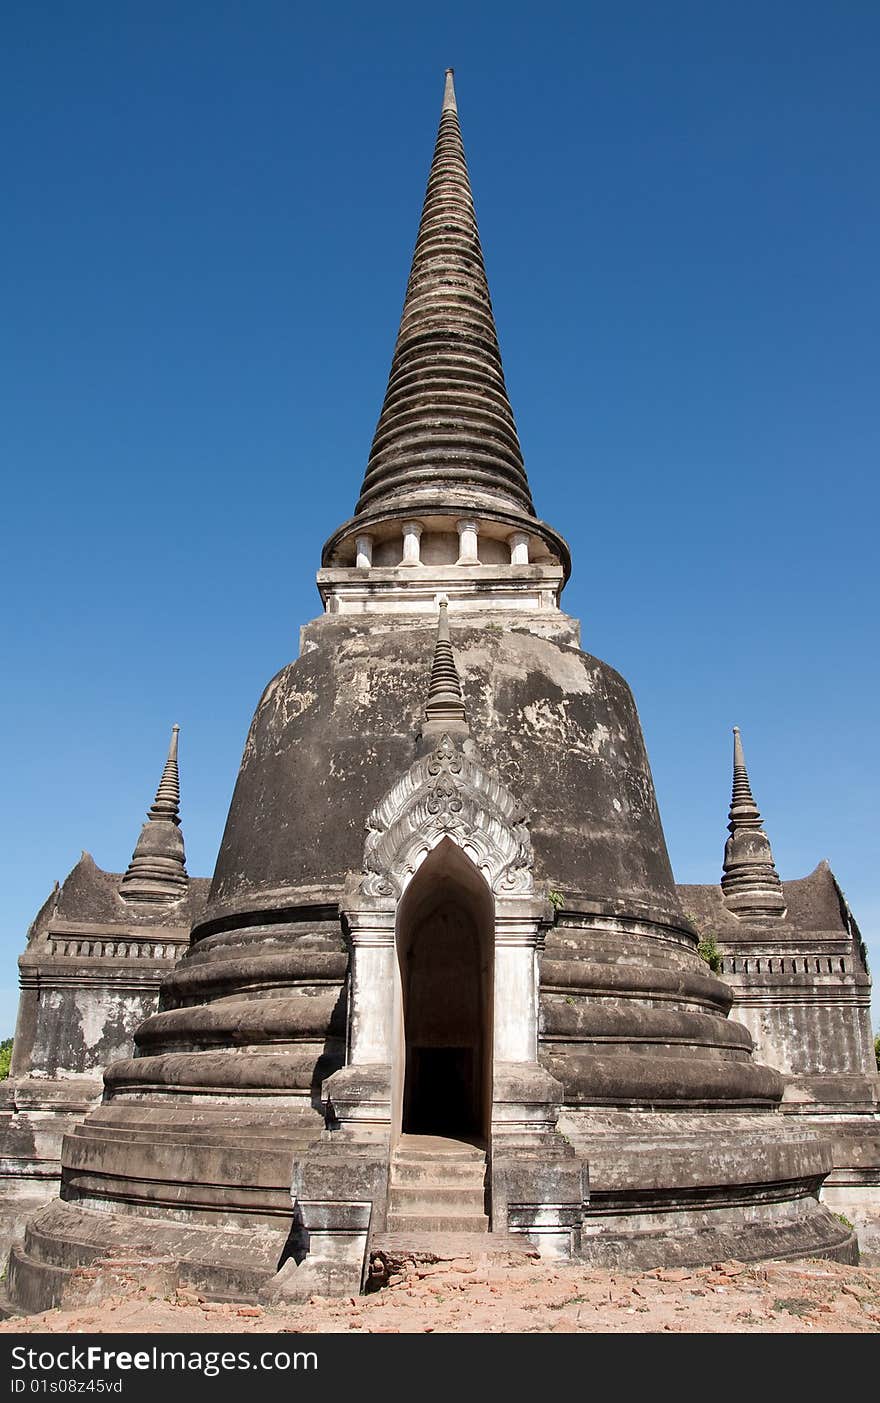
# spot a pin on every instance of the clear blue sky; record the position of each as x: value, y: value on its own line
x: 209, y: 214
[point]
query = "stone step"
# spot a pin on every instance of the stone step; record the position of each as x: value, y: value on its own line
x: 437, y: 1185
x: 434, y: 1200
x: 447, y: 1190
x: 462, y: 1173
x: 446, y: 1223
x: 415, y: 1148
x: 463, y: 1156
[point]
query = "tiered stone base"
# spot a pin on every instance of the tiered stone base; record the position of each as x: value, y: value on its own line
x: 846, y: 1110
x: 209, y: 1135
x: 222, y: 1264
x: 690, y: 1159
x: 206, y: 1186
x: 190, y: 1157
x: 688, y: 1189
x: 666, y: 1190
x: 35, y: 1115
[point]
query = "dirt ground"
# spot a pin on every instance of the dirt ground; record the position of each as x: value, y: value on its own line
x: 520, y: 1296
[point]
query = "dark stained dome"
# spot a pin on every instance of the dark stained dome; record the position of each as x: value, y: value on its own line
x: 335, y: 728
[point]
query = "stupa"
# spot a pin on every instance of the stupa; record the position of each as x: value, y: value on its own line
x: 443, y: 981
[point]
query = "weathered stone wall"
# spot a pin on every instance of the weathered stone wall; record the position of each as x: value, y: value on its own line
x: 91, y: 973
x: 800, y: 981
x: 77, y: 1017
x: 800, y: 984
x: 805, y: 1031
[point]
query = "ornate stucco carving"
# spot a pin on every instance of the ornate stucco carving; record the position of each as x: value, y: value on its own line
x: 448, y: 794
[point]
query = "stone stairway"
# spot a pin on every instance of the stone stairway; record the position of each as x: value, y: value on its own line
x: 437, y: 1185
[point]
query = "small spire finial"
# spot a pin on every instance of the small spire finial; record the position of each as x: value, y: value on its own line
x: 449, y: 103
x: 445, y: 704
x: 750, y: 881
x: 167, y: 800
x: 157, y: 871
x: 443, y: 621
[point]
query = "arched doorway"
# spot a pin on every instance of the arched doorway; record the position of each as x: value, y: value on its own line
x: 445, y: 942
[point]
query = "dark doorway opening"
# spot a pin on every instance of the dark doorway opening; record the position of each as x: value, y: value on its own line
x: 445, y: 945
x: 441, y: 1094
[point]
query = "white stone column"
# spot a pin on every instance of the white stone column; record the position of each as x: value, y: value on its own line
x: 519, y: 548
x: 467, y: 542
x: 364, y: 547
x: 517, y: 934
x: 371, y: 1024
x: 412, y: 531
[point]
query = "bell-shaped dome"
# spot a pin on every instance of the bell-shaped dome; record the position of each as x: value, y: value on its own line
x: 336, y: 728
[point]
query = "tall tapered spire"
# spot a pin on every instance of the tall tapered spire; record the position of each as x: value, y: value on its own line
x: 157, y: 871
x: 446, y: 434
x: 445, y: 707
x: 750, y: 882
x: 445, y: 484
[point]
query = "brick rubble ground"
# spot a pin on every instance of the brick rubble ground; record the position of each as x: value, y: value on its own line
x: 520, y: 1296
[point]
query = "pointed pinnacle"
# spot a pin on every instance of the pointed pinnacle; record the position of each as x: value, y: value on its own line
x: 157, y: 871
x: 446, y: 428
x: 449, y: 103
x: 166, y: 804
x: 750, y: 882
x: 445, y: 702
x: 743, y: 809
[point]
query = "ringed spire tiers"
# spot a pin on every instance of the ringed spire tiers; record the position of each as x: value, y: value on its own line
x: 446, y: 444
x: 446, y: 425
x: 157, y: 871
x: 445, y: 705
x: 750, y: 883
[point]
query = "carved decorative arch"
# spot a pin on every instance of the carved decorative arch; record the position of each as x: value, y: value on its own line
x: 448, y: 794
